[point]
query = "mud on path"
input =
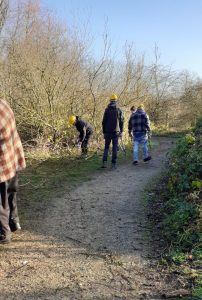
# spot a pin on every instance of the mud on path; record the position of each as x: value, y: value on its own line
x: 94, y: 243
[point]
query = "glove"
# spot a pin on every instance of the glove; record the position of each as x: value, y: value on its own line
x: 78, y: 143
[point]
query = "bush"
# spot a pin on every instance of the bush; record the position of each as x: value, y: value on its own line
x: 183, y: 206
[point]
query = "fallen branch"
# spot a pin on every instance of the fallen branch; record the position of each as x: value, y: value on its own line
x: 177, y: 293
x: 10, y: 274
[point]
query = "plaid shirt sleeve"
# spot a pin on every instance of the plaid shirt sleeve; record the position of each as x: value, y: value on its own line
x: 11, y: 150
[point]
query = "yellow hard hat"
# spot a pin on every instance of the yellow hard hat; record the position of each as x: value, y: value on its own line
x: 72, y: 120
x: 141, y: 105
x: 113, y: 97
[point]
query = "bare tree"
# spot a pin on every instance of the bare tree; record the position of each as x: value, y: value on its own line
x: 4, y: 4
x: 43, y: 64
x: 47, y: 73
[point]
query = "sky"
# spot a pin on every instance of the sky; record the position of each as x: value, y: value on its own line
x: 175, y: 26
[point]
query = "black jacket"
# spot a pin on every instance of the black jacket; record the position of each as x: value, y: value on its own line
x: 113, y: 119
x: 84, y: 128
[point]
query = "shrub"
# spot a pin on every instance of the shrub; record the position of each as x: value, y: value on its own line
x: 182, y: 209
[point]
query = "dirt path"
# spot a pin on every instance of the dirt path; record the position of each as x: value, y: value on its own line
x: 95, y: 243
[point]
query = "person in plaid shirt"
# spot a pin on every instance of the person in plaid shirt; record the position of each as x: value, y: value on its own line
x: 11, y: 161
x: 138, y: 129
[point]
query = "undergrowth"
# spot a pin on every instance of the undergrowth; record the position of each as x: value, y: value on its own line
x: 181, y: 211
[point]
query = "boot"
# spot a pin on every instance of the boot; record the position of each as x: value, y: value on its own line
x: 5, y: 239
x: 104, y: 165
x: 14, y: 225
x: 147, y: 158
x: 113, y: 166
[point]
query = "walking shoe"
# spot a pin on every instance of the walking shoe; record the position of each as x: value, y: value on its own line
x: 84, y: 156
x: 104, y: 165
x: 113, y: 166
x: 14, y: 225
x: 147, y: 158
x: 135, y: 162
x: 5, y: 239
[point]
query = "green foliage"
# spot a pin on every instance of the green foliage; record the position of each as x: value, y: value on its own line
x: 168, y: 133
x: 198, y: 129
x: 175, y: 256
x: 185, y: 164
x: 197, y: 293
x: 178, y: 216
x: 182, y: 210
x: 184, y: 185
x: 197, y: 184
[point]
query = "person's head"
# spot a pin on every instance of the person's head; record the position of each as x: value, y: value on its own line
x: 140, y: 106
x: 72, y: 120
x: 113, y: 97
x: 132, y: 109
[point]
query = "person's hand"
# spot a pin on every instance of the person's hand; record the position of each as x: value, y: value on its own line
x: 78, y: 145
x: 120, y: 134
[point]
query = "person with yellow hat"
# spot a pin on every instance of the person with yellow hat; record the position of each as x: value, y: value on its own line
x: 138, y: 129
x: 72, y: 120
x: 112, y: 127
x: 113, y: 97
x: 85, y: 133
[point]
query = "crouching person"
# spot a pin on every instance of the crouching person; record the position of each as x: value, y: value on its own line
x: 85, y: 133
x: 11, y: 161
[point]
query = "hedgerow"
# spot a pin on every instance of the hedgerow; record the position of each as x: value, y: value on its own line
x: 182, y: 207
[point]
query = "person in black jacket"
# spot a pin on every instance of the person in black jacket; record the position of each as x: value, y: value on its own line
x: 85, y: 132
x: 112, y: 127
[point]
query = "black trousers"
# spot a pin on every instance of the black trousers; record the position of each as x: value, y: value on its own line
x: 85, y: 143
x: 8, y: 205
x: 110, y: 137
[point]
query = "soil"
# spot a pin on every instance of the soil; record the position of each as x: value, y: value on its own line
x: 94, y: 243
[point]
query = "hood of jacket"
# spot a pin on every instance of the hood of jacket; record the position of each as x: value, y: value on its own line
x: 140, y: 110
x: 112, y: 104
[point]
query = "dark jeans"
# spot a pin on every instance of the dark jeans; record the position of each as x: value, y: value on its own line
x: 85, y: 143
x: 8, y: 205
x: 110, y: 137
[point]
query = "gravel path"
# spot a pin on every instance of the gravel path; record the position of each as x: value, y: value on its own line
x: 94, y: 243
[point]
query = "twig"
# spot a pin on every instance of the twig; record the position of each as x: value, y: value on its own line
x: 10, y: 274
